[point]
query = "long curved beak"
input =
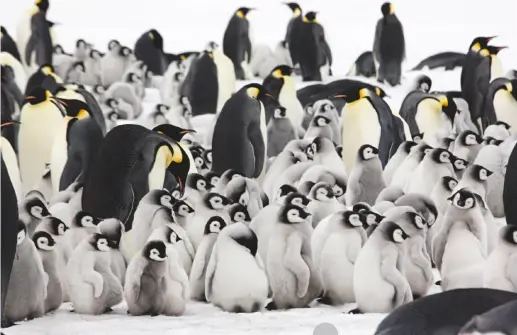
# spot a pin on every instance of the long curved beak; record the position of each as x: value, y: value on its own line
x: 10, y: 123
x: 187, y: 131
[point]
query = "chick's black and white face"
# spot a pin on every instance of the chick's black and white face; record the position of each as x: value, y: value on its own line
x: 37, y: 211
x: 199, y: 162
x: 322, y: 121
x: 244, y: 199
x: 164, y: 109
x: 215, y: 227
x: 216, y: 202
x: 214, y: 180
x: 483, y: 174
x: 173, y: 237
x: 239, y: 217
x: 156, y: 255
x: 418, y: 221
x: 87, y: 221
x: 201, y: 185
x: 338, y: 190
x: 102, y: 245
x: 61, y: 229
x: 398, y: 235
x: 165, y: 201
x: 368, y: 152
x: 279, y: 113
x: 471, y: 139
x: 355, y: 220
x: 463, y: 200
x: 371, y: 219
x: 183, y: 210
x: 21, y: 237
x: 322, y: 194
x: 327, y: 107
x: 445, y: 157
x: 298, y: 201
x: 43, y: 243
x: 460, y: 164
x: 293, y: 216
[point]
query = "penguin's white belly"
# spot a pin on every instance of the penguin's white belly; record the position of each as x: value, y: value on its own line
x: 225, y: 78
x: 455, y: 258
x: 58, y: 158
x: 11, y: 163
x: 505, y: 107
x: 360, y: 126
x: 336, y: 270
x: 23, y: 33
x: 263, y: 130
x: 428, y: 117
x: 405, y: 172
x: 238, y: 280
x: 496, y: 68
x: 289, y: 100
x: 495, y: 271
x: 36, y: 138
x: 372, y: 292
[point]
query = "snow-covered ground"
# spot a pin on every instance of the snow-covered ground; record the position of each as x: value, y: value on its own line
x: 430, y: 27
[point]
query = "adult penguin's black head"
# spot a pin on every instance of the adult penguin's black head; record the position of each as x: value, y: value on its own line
x: 176, y: 133
x: 297, y: 10
x: 243, y: 11
x: 424, y: 83
x: 387, y: 9
x: 256, y: 91
x: 449, y: 107
x: 357, y: 93
x: 75, y: 108
x: 37, y: 96
x: 281, y: 71
x: 4, y: 31
x: 43, y: 5
x: 310, y: 17
x: 480, y: 43
x: 156, y: 38
x: 493, y: 50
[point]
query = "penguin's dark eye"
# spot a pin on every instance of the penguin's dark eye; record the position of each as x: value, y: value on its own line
x: 338, y: 191
x: 469, y: 202
x: 483, y: 174
x: 215, y: 227
x: 173, y: 237
x: 453, y: 184
x: 309, y: 110
x: 20, y: 237
x: 201, y: 184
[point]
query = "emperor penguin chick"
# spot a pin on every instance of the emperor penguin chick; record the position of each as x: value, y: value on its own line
x: 83, y: 224
x: 93, y: 287
x: 280, y: 131
x: 501, y: 265
x: 467, y: 145
x: 408, y: 166
x: 434, y: 166
x: 336, y: 243
x: 320, y: 126
x: 182, y: 212
x: 441, y: 192
x: 114, y: 229
x: 147, y: 280
x: 247, y: 192
x: 45, y: 245
x: 32, y: 210
x: 323, y: 202
x: 197, y: 274
x: 475, y: 178
x: 212, y: 204
x: 196, y: 186
x: 177, y: 240
x: 396, y: 160
x: 27, y: 289
x: 463, y: 229
x: 225, y: 178
x: 236, y: 280
x: 380, y: 284
x: 153, y: 211
x: 239, y: 213
x: 293, y: 278
x: 366, y: 180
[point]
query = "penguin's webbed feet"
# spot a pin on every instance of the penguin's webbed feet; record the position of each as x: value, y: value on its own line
x: 108, y: 310
x: 325, y: 301
x: 7, y: 323
x: 272, y: 306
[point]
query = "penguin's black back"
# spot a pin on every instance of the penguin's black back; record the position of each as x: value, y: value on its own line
x: 231, y: 147
x: 147, y: 52
x: 310, y: 56
x: 40, y: 41
x: 448, y: 60
x: 237, y: 44
x: 9, y: 230
x: 509, y: 190
x: 95, y: 108
x: 8, y: 108
x: 201, y: 86
x: 118, y: 177
x: 442, y: 313
x: 391, y: 42
x: 489, y: 110
x: 365, y: 65
x: 294, y: 38
x: 305, y: 94
x: 9, y: 45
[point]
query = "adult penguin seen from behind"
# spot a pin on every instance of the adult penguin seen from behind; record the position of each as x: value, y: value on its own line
x: 314, y: 50
x: 469, y: 66
x: 8, y: 44
x: 131, y: 161
x: 149, y: 49
x: 292, y: 36
x: 40, y: 41
x: 389, y: 47
x: 237, y: 43
x: 240, y: 133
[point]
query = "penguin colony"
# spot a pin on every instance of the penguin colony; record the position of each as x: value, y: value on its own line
x: 265, y: 197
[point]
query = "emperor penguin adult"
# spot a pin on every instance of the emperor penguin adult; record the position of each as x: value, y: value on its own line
x: 131, y: 161
x: 225, y: 75
x: 280, y: 85
x: 501, y: 102
x: 378, y: 271
x: 498, y: 320
x: 293, y: 278
x: 149, y: 49
x: 366, y: 180
x: 340, y: 230
x: 93, y: 287
x: 35, y: 140
x: 236, y: 279
x: 463, y: 227
x: 389, y: 47
x: 11, y: 162
x: 39, y: 46
x: 315, y: 55
x: 9, y: 45
x: 363, y: 66
x: 237, y: 43
x: 367, y: 119
x: 292, y: 36
x: 509, y: 192
x: 27, y: 290
x: 240, y: 134
x: 500, y: 273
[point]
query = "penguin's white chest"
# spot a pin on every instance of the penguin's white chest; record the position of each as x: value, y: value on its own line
x: 460, y: 239
x: 427, y: 116
x: 289, y: 100
x: 505, y: 107
x: 263, y: 130
x: 39, y: 126
x: 59, y: 156
x: 360, y: 126
x: 11, y: 163
x: 225, y: 78
x: 496, y: 68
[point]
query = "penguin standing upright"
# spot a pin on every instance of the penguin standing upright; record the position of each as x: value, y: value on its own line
x: 501, y: 102
x: 11, y: 163
x: 240, y: 134
x: 149, y: 49
x: 281, y: 86
x: 40, y: 41
x: 225, y: 75
x: 237, y: 43
x: 389, y: 47
x: 41, y: 118
x: 280, y: 131
x: 314, y: 49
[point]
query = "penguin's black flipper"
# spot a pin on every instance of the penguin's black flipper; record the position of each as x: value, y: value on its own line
x: 509, y: 190
x: 8, y: 232
x: 40, y: 41
x: 259, y: 149
x: 94, y: 108
x: 9, y: 45
x: 30, y: 48
x: 320, y: 37
x: 9, y: 81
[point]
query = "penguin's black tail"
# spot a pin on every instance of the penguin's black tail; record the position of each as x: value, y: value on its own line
x: 391, y: 72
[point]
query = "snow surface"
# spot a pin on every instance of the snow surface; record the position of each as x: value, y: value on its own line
x: 430, y: 27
